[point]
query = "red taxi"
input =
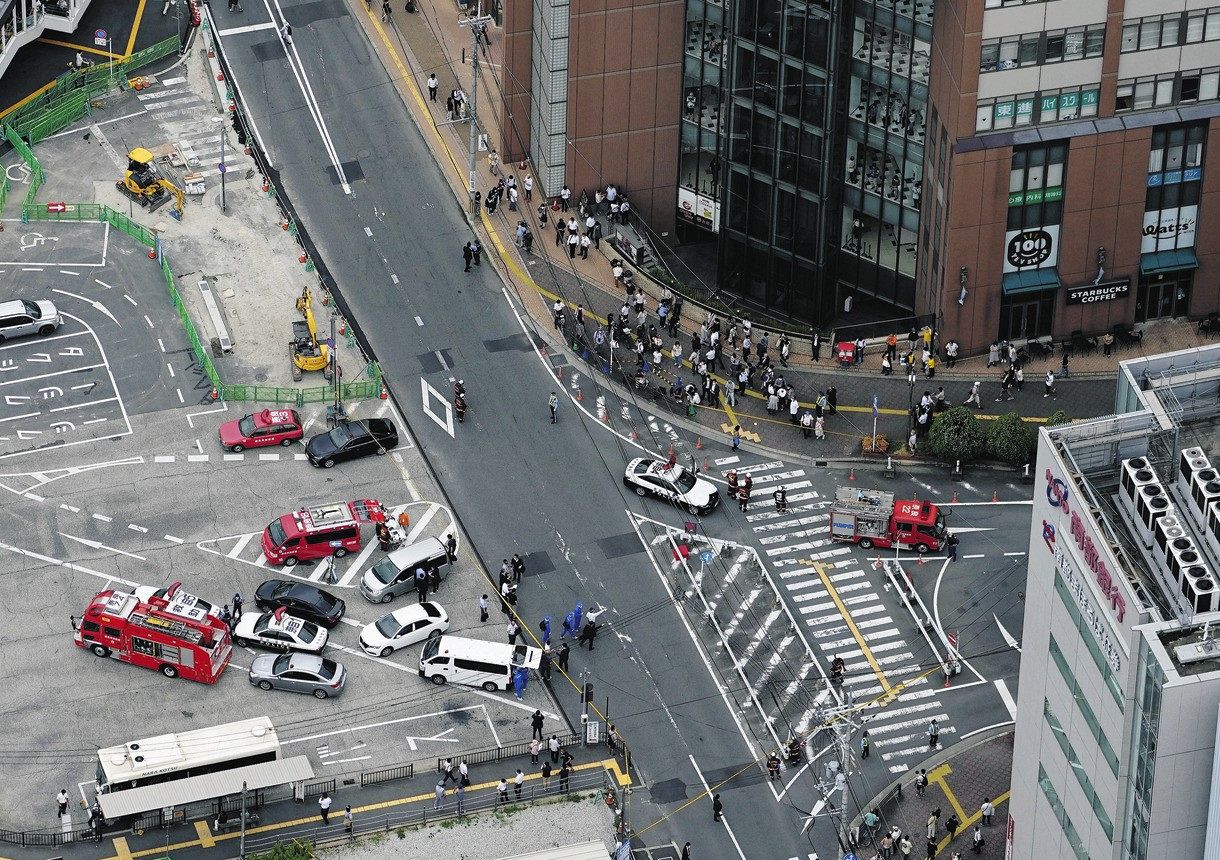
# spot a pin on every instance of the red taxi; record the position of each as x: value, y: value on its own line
x: 269, y: 427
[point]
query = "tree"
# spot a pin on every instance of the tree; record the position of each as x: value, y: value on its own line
x: 957, y: 435
x: 1010, y: 440
x: 1058, y: 417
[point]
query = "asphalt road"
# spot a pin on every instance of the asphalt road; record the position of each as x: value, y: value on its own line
x: 552, y: 493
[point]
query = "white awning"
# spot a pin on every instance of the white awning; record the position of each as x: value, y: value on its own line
x: 180, y: 792
x: 595, y: 850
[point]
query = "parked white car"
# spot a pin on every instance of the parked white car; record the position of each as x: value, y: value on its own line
x: 403, y: 627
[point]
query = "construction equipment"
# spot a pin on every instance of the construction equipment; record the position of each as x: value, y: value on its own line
x: 308, y: 353
x: 143, y: 184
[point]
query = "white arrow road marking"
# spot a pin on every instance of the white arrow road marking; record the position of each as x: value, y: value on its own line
x: 439, y: 738
x: 97, y: 305
x: 95, y: 545
x: 1008, y: 637
x: 427, y: 392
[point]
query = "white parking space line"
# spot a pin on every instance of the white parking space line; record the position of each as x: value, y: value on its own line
x: 164, y: 458
x: 50, y: 375
x: 69, y: 272
x: 239, y: 546
x: 92, y: 544
x: 173, y: 539
x: 68, y: 565
x: 81, y: 405
x: 136, y: 528
x: 102, y: 284
x: 103, y: 518
x: 130, y: 299
x: 234, y: 458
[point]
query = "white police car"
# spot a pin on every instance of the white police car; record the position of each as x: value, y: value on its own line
x: 672, y: 483
x: 279, y: 631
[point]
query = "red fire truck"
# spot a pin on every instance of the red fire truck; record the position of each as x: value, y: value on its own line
x: 873, y: 518
x: 157, y: 634
x: 313, y: 533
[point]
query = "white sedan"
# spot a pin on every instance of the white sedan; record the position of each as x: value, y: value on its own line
x: 279, y: 631
x: 404, y: 627
x: 672, y: 483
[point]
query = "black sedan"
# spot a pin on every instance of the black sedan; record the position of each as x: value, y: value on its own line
x: 350, y: 440
x: 302, y: 600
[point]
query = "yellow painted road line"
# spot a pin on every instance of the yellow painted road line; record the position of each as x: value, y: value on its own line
x: 851, y: 624
x: 121, y: 851
x: 135, y: 28
x: 204, y: 833
x: 728, y: 410
x: 937, y: 776
x: 968, y: 821
x: 85, y: 49
x: 208, y: 840
x: 25, y: 101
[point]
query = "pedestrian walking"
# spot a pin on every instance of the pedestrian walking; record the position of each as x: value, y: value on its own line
x: 448, y: 770
x: 736, y: 437
x: 459, y: 795
x: 686, y: 852
x: 743, y: 494
x: 433, y: 84
x: 1050, y: 384
x: 468, y: 256
x: 518, y: 781
x: 921, y: 782
x: 528, y: 184
x: 717, y: 808
x: 933, y: 734
x: 781, y: 500
x: 536, y: 724
x: 807, y: 423
x: 588, y: 634
x: 237, y: 605
x: 61, y: 800
x: 535, y: 748
x: 977, y: 841
x: 552, y: 746
x: 552, y: 403
x: 986, y: 810
x: 387, y: 14
x: 440, y: 795
x: 347, y: 820
x: 484, y: 605
x: 324, y: 803
x: 973, y: 397
x: 933, y: 822
x: 463, y: 773
x: 951, y: 546
x: 562, y: 660
x: 865, y: 744
x: 931, y: 848
x: 546, y: 775
x: 286, y: 34
x: 513, y: 630
x: 502, y: 792
x: 952, y: 823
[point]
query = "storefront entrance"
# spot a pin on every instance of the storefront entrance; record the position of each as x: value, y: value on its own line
x: 1163, y: 296
x: 1027, y: 315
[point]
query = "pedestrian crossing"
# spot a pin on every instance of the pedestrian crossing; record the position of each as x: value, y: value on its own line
x: 876, y: 640
x: 427, y: 519
x: 192, y: 124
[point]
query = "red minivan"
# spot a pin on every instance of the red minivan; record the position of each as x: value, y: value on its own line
x: 313, y: 533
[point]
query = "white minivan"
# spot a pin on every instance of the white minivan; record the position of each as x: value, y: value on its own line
x: 475, y: 662
x: 395, y: 574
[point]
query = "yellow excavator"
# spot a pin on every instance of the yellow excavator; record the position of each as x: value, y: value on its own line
x: 143, y: 184
x: 308, y: 353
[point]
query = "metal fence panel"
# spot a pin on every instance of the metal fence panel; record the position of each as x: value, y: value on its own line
x: 314, y: 789
x: 387, y: 774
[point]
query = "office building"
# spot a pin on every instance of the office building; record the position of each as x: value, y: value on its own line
x: 1118, y: 711
x: 1004, y: 169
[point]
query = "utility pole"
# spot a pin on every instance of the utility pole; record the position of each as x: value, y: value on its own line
x: 839, y: 723
x: 476, y: 25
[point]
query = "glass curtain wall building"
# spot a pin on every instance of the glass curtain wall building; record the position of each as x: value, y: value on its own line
x: 704, y: 118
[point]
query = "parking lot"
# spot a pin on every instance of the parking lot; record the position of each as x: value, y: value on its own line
x: 168, y: 504
x: 119, y: 354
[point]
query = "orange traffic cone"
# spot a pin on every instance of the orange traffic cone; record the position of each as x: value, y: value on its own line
x: 995, y: 495
x: 705, y: 464
x: 955, y: 497
x: 635, y: 436
x: 580, y: 395
x: 220, y: 76
x: 851, y: 476
x: 266, y: 184
x: 606, y: 417
x: 152, y: 253
x: 921, y: 561
x: 876, y: 564
x: 698, y: 444
x: 215, y: 394
x: 302, y: 257
x: 385, y: 395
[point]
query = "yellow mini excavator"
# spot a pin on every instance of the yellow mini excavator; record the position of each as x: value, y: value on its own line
x: 308, y: 353
x: 143, y: 184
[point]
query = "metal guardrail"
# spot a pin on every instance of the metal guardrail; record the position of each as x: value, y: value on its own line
x: 386, y: 774
x: 482, y: 801
x: 316, y: 789
x: 500, y: 753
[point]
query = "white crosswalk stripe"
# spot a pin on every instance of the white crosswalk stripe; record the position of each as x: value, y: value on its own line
x: 787, y: 543
x: 192, y: 125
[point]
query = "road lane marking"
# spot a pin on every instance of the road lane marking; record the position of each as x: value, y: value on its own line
x: 92, y: 544
x: 103, y: 518
x: 136, y: 528
x: 1006, y: 696
x: 851, y: 625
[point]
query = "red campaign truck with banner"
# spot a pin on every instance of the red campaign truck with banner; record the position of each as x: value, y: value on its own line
x: 156, y: 634
x: 873, y: 518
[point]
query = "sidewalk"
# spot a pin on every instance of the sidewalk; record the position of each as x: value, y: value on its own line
x: 958, y: 782
x: 433, y: 41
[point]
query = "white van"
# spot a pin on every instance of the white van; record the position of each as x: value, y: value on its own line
x: 395, y: 574
x: 475, y: 662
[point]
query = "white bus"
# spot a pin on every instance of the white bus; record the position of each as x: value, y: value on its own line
x: 185, y: 754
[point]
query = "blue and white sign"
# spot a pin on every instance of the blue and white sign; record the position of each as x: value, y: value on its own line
x: 706, y: 556
x: 100, y: 38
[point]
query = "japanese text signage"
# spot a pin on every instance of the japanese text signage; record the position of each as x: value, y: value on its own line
x: 1039, y: 195
x: 1057, y: 495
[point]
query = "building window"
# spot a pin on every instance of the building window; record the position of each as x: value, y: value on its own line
x: 1086, y: 784
x: 1035, y: 186
x: 1069, y: 831
x: 1167, y: 89
x: 1036, y: 49
x: 1142, y: 766
x: 1090, y: 643
x: 996, y: 4
x: 1167, y: 31
x: 1082, y: 704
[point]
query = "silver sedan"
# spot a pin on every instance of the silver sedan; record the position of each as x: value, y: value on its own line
x: 298, y: 673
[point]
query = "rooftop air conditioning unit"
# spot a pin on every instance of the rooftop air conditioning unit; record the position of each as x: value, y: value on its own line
x: 1168, y: 529
x: 1151, y: 503
x: 1192, y: 461
x: 1201, y: 589
x: 1181, y: 553
x: 1204, y: 490
x: 1136, y: 473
